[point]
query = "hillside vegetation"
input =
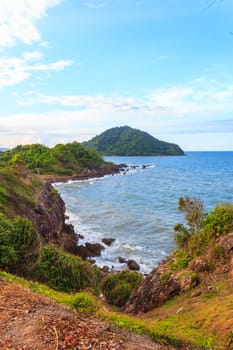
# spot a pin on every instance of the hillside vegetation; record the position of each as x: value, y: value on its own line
x: 62, y: 159
x: 126, y: 141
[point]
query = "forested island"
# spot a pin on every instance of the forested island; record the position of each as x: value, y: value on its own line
x: 126, y: 141
x: 186, y: 301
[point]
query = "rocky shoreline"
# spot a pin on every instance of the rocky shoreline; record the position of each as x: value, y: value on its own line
x: 110, y: 169
x: 90, y: 250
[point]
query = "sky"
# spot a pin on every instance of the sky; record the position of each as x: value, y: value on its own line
x: 70, y: 69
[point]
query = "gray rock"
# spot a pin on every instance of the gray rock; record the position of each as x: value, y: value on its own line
x: 133, y: 265
x: 108, y: 241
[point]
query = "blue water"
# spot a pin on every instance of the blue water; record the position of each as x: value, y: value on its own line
x: 139, y: 209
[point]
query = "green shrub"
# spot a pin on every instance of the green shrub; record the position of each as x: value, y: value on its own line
x: 66, y: 272
x: 182, y: 235
x: 3, y: 196
x: 118, y: 287
x: 219, y: 221
x: 180, y: 260
x: 17, y: 237
x: 83, y: 302
x: 194, y: 212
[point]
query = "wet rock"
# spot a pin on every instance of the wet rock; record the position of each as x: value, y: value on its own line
x: 89, y: 250
x: 108, y: 241
x: 122, y: 260
x: 133, y: 265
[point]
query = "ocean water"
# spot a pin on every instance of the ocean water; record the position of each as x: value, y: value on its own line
x: 140, y: 207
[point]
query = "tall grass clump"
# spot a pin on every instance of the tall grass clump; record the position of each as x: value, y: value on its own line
x: 66, y: 272
x: 17, y: 238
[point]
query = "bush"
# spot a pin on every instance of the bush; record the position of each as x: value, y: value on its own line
x: 219, y: 221
x: 180, y: 260
x: 118, y: 287
x: 194, y: 212
x: 182, y: 235
x: 66, y: 272
x: 17, y: 237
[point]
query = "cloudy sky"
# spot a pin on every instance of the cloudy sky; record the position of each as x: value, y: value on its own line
x: 69, y: 69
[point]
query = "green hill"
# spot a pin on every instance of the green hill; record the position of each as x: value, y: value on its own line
x: 126, y: 141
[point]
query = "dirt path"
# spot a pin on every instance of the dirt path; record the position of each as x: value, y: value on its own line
x: 32, y: 321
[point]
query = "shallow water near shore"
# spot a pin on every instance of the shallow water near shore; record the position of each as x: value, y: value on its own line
x: 140, y: 207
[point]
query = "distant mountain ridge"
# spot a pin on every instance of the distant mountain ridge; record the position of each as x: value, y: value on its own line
x: 126, y: 141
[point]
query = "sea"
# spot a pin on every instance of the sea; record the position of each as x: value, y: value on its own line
x: 139, y: 207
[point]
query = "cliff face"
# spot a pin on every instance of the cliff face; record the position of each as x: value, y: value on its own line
x: 48, y: 215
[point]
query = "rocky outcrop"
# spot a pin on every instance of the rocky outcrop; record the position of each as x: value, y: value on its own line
x: 108, y: 241
x: 159, y: 286
x: 89, y: 250
x: 199, y: 265
x: 48, y: 215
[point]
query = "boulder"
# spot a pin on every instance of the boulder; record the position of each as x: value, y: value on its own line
x: 160, y: 285
x: 122, y: 260
x: 89, y: 250
x: 133, y: 265
x: 108, y: 241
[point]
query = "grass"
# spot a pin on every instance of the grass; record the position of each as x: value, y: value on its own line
x: 201, y: 322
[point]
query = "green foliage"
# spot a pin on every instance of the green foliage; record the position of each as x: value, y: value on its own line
x: 125, y: 141
x: 66, y: 272
x: 194, y: 213
x: 84, y: 302
x: 219, y: 221
x: 203, y: 229
x: 17, y: 237
x: 118, y: 287
x: 189, y: 237
x: 68, y: 159
x: 182, y: 235
x: 218, y: 253
x: 180, y: 260
x: 3, y: 196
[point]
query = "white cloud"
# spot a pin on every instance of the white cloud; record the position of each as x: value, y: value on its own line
x: 32, y: 56
x: 18, y: 19
x: 177, y: 114
x: 15, y: 70
x: 196, y: 98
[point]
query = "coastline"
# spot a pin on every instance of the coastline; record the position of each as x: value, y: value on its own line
x: 110, y: 169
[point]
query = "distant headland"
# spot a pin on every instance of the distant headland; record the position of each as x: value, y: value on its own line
x: 126, y: 141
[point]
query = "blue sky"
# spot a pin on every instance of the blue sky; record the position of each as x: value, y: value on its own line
x: 70, y: 69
